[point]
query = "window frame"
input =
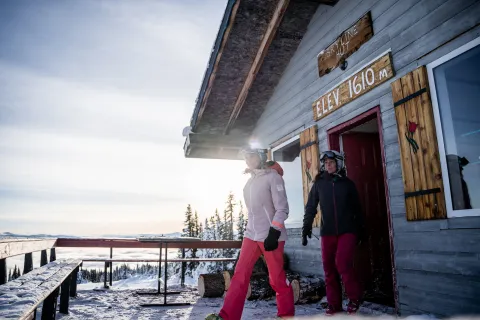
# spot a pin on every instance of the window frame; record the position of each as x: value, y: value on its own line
x: 439, y: 129
x: 272, y: 150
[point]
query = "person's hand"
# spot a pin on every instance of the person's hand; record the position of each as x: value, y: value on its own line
x: 306, y: 232
x: 271, y: 242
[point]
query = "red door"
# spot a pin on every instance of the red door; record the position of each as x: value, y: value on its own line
x: 364, y: 166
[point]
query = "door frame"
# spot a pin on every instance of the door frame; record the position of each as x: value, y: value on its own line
x: 333, y: 137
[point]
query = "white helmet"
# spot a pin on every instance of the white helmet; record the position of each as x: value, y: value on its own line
x: 262, y: 154
x: 332, y: 154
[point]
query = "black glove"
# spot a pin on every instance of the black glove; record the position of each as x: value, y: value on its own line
x: 306, y: 232
x: 271, y: 242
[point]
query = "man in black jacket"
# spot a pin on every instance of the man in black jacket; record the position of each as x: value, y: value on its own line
x: 341, y: 229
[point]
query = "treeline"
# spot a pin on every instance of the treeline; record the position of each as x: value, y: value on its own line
x: 15, y: 274
x: 121, y: 272
x: 230, y: 225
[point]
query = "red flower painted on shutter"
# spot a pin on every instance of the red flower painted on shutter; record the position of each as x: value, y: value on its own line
x: 412, y: 127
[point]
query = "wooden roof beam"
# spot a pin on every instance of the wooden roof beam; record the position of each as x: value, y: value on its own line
x: 217, y: 61
x: 257, y: 62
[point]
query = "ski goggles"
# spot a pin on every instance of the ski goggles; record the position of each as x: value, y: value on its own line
x: 329, y: 155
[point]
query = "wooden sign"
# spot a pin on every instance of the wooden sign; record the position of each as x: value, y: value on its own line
x: 357, y: 85
x: 345, y: 45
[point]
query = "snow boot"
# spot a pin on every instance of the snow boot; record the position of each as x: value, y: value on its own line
x: 331, y: 311
x: 213, y: 316
x: 353, y: 306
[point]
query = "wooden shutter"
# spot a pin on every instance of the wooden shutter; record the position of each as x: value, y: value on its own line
x: 422, y: 174
x: 310, y: 165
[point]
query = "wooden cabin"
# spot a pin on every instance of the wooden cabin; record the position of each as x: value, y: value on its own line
x: 395, y: 85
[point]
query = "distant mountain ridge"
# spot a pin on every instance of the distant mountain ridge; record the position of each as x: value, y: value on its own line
x: 130, y: 236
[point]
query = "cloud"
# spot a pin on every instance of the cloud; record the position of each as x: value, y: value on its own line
x: 93, y: 99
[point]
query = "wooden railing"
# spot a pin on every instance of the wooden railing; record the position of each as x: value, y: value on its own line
x: 14, y: 247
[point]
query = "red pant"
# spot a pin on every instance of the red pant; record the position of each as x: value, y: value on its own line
x: 338, y: 256
x: 237, y: 292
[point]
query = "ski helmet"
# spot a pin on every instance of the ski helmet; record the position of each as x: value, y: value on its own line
x: 261, y: 153
x: 332, y: 154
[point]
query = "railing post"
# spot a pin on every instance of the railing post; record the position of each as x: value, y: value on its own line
x: 53, y: 256
x: 73, y: 283
x: 105, y: 275
x: 184, y: 267
x: 50, y: 306
x: 111, y: 266
x: 65, y: 295
x: 44, y: 258
x: 3, y: 271
x: 28, y: 263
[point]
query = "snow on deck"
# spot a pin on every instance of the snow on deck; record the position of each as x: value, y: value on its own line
x: 121, y: 302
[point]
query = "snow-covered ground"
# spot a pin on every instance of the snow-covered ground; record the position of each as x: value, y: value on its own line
x: 121, y: 302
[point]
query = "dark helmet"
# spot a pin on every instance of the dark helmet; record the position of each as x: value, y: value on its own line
x: 332, y: 154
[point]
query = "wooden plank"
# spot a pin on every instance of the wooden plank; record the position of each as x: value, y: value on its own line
x: 303, y: 156
x: 401, y: 225
x: 257, y: 62
x: 156, y: 260
x: 20, y: 297
x: 443, y: 34
x: 15, y: 247
x: 408, y: 180
x: 132, y: 243
x: 457, y: 286
x: 429, y: 141
x: 459, y: 240
x: 211, y: 80
x: 315, y: 169
x: 357, y: 85
x: 438, y: 304
x: 348, y: 42
x: 465, y: 264
x: 425, y: 146
x: 43, y: 258
x: 464, y: 223
x: 441, y: 13
x: 3, y: 271
x: 28, y: 263
x: 415, y: 158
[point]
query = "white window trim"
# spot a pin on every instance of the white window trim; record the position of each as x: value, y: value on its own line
x: 288, y: 225
x: 438, y: 124
x: 283, y: 144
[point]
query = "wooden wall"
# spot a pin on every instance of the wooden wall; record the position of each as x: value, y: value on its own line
x: 437, y: 262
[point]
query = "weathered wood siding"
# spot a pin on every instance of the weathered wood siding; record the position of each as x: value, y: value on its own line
x: 437, y: 262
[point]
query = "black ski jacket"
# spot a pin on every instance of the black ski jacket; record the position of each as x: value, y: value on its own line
x: 339, y: 204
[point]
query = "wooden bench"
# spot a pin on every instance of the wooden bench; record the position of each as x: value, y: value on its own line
x: 20, y: 298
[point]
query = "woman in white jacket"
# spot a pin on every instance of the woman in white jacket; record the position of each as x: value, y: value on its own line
x: 267, y: 205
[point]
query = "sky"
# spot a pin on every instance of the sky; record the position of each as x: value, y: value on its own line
x: 93, y: 99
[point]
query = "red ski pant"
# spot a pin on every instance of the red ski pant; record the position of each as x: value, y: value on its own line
x: 338, y: 253
x: 237, y: 292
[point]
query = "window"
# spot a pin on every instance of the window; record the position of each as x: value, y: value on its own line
x: 455, y: 90
x: 288, y: 156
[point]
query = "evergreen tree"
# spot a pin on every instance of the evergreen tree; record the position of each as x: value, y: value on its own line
x: 9, y: 275
x: 228, y: 213
x: 218, y: 226
x: 241, y: 223
x: 188, y: 223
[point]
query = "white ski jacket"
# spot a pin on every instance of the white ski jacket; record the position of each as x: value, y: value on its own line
x: 267, y: 204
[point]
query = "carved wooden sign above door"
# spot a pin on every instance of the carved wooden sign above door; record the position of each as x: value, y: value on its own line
x: 345, y: 45
x: 357, y: 85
